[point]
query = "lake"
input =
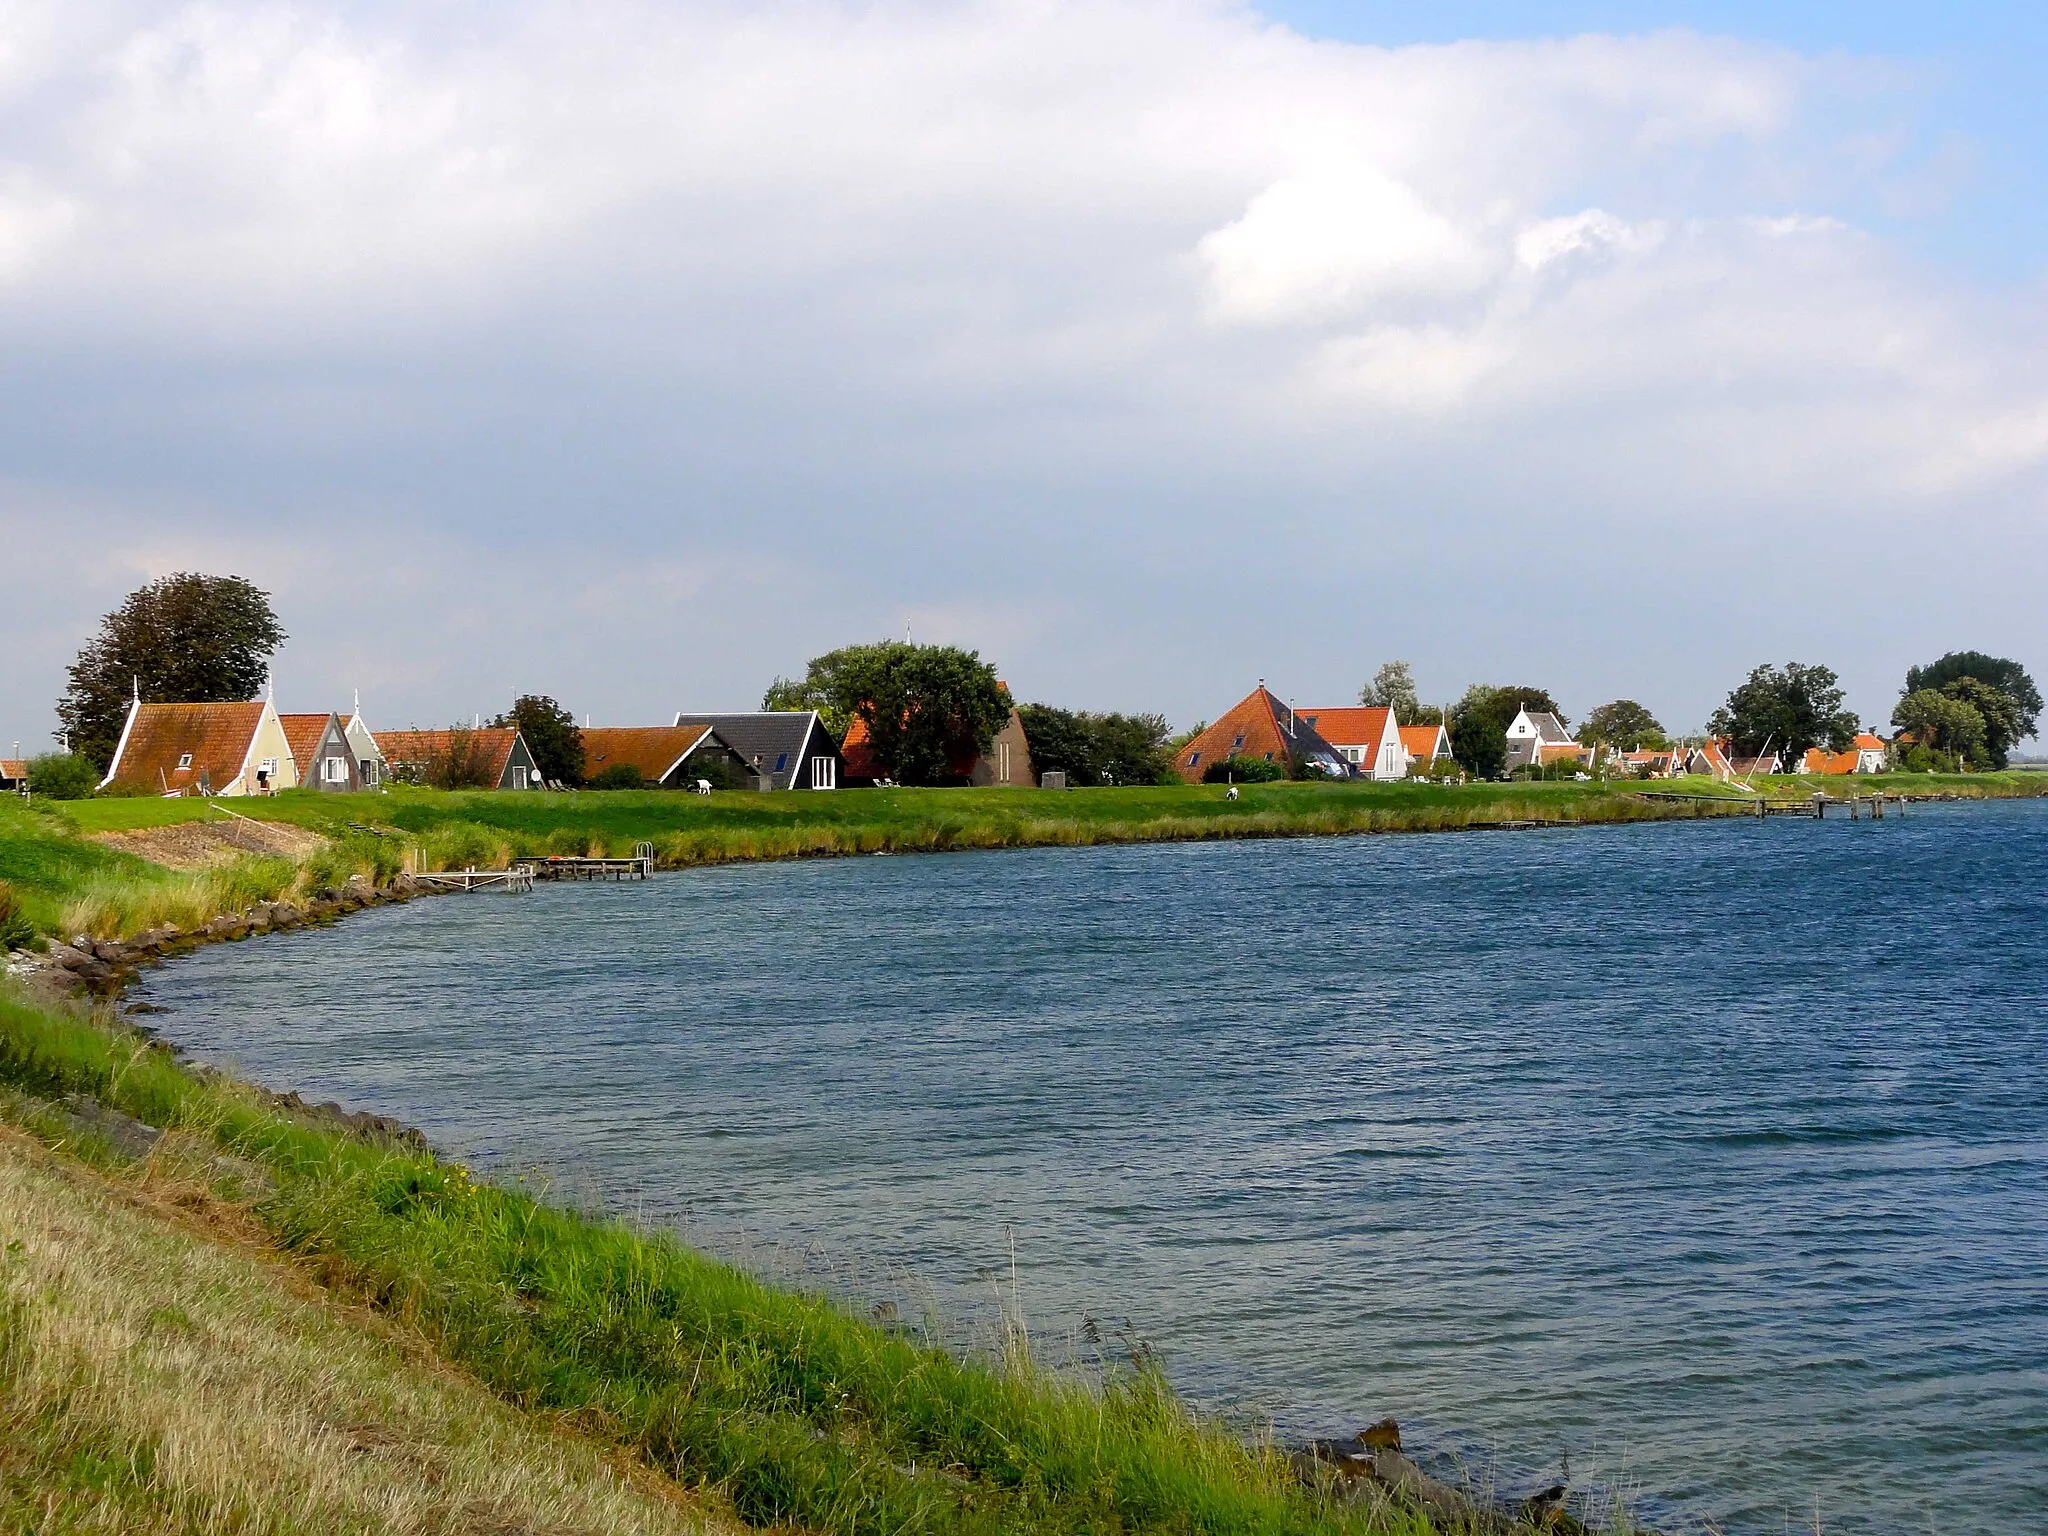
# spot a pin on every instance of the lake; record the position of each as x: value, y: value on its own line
x: 1708, y: 1160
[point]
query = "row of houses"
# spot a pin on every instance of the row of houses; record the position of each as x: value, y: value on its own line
x: 1342, y: 741
x: 1358, y: 741
x: 251, y: 749
x: 1868, y: 753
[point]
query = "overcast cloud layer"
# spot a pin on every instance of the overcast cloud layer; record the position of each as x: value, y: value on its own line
x: 635, y: 353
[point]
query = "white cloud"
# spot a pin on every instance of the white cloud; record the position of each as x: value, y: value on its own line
x: 948, y: 309
x: 1313, y: 248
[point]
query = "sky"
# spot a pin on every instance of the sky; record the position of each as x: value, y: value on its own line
x: 634, y: 353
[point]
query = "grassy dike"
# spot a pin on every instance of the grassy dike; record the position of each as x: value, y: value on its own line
x: 69, y: 883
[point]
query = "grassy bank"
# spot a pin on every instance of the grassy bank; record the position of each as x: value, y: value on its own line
x: 784, y: 1408
x: 162, y: 1371
x: 70, y: 882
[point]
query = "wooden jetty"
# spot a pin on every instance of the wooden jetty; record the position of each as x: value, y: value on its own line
x: 577, y: 867
x: 516, y: 879
x: 1816, y: 805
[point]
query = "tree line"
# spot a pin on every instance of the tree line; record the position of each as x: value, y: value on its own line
x: 928, y: 711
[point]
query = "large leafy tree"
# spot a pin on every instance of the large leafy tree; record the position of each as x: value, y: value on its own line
x: 1479, y: 723
x: 2007, y: 676
x: 182, y: 639
x: 1624, y: 725
x: 1997, y: 687
x: 927, y: 708
x: 1943, y: 723
x: 1098, y: 748
x: 552, y: 736
x: 1787, y: 709
x: 1393, y: 687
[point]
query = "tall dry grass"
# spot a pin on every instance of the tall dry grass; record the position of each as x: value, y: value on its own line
x: 153, y: 1381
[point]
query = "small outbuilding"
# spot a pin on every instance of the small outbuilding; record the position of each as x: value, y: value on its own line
x: 780, y: 748
x: 13, y: 775
x: 203, y: 749
x: 666, y: 756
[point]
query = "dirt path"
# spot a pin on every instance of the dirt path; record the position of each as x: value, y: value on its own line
x: 203, y: 844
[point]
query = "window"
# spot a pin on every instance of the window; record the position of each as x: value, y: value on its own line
x: 824, y: 773
x: 781, y: 761
x: 1240, y: 742
x: 1194, y: 759
x: 368, y: 772
x: 334, y: 770
x: 184, y: 762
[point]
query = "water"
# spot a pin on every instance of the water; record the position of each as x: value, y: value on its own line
x: 1711, y: 1157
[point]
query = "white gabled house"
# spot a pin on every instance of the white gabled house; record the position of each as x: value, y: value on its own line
x: 1538, y: 739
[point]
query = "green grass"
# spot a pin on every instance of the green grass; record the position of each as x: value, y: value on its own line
x: 796, y: 1412
x: 71, y: 884
x: 47, y: 864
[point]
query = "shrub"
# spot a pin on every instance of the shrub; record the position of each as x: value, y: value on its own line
x: 1244, y: 770
x: 16, y: 931
x: 618, y: 776
x: 62, y: 776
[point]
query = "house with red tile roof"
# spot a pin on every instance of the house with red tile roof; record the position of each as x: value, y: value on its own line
x: 13, y: 773
x: 320, y: 747
x: 666, y: 756
x: 501, y: 757
x: 1366, y: 736
x: 1425, y: 744
x: 1714, y: 757
x: 1866, y: 754
x: 1005, y: 765
x: 1710, y: 757
x: 1259, y: 726
x: 1652, y: 765
x: 202, y: 749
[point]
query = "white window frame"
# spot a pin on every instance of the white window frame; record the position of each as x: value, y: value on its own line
x: 824, y: 773
x: 184, y: 761
x: 334, y: 770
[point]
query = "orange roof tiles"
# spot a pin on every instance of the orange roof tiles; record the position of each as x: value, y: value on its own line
x: 1250, y: 728
x: 494, y: 743
x: 1424, y: 742
x: 653, y: 749
x: 13, y: 768
x: 174, y: 747
x: 1867, y: 741
x: 1350, y: 725
x: 303, y: 733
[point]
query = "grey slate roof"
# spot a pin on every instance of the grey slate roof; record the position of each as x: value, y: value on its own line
x: 778, y: 741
